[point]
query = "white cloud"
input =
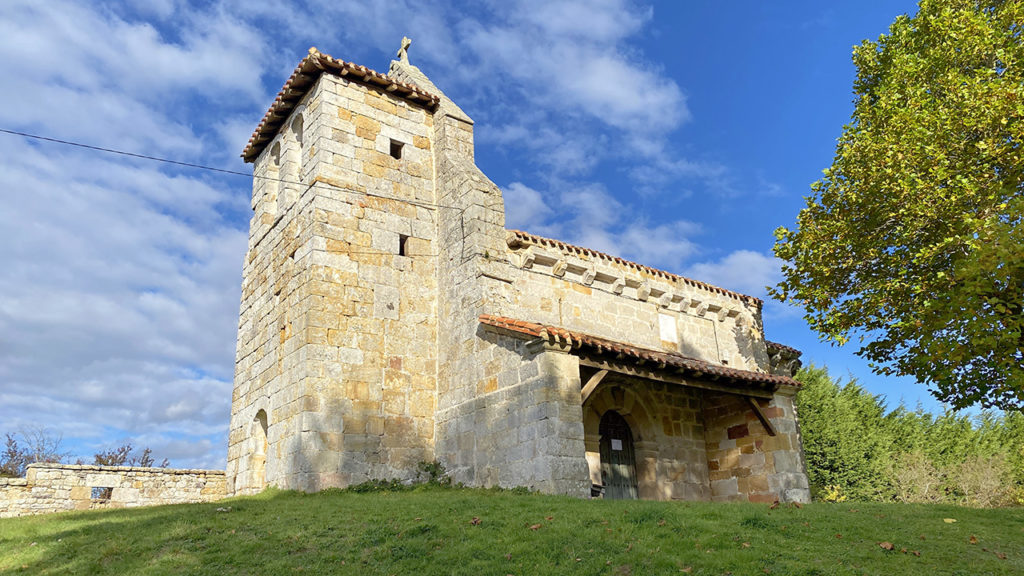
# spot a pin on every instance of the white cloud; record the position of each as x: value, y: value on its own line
x: 524, y: 206
x: 744, y: 271
x: 122, y: 276
x: 587, y: 215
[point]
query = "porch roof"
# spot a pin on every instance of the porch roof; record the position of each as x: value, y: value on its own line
x: 651, y: 360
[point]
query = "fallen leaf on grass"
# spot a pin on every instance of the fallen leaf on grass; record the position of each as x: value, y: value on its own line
x: 839, y: 535
x: 973, y: 539
x: 885, y: 545
x: 797, y: 505
x: 686, y: 570
x: 536, y: 527
x: 661, y: 522
x: 915, y: 553
x: 774, y: 505
x: 1000, y: 555
x: 508, y: 556
x: 949, y: 520
x: 745, y: 545
x: 475, y: 521
x: 549, y: 517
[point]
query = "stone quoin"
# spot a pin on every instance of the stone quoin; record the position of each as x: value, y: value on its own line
x: 388, y: 318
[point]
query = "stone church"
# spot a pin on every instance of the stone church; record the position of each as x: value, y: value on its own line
x: 389, y: 318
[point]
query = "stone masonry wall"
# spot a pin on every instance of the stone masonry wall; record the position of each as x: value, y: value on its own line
x: 607, y: 298
x: 523, y: 427
x: 507, y: 415
x: 338, y: 314
x: 57, y: 488
x: 745, y: 462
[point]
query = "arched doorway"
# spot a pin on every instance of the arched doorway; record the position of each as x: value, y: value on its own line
x: 258, y: 437
x: 618, y: 462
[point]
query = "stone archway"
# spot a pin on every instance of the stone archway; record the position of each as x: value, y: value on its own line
x: 617, y: 394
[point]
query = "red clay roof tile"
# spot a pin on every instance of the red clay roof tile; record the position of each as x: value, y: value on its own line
x: 603, y: 346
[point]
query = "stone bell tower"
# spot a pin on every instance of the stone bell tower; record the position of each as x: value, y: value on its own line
x: 337, y: 360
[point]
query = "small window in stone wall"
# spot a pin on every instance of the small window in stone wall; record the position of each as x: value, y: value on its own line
x: 396, y: 149
x: 102, y: 493
x: 297, y: 126
x: 403, y: 245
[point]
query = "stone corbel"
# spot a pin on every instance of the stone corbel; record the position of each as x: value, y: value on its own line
x: 589, y: 274
x: 684, y: 302
x: 559, y: 267
x: 702, y: 309
x: 618, y: 285
x: 665, y: 300
x: 527, y: 258
x: 643, y: 291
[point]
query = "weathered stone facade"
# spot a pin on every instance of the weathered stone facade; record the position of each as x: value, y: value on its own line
x: 61, y: 487
x: 389, y: 318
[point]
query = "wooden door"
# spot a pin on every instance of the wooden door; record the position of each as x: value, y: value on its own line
x: 618, y: 462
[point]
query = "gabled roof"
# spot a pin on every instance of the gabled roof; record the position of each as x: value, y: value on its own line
x: 518, y: 238
x: 306, y: 75
x: 603, y: 347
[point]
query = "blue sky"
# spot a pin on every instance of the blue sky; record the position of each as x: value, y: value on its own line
x: 677, y: 134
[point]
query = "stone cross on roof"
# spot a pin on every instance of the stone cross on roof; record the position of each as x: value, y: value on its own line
x: 403, y: 52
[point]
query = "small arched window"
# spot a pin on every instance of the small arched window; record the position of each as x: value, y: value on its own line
x: 297, y: 129
x: 275, y: 157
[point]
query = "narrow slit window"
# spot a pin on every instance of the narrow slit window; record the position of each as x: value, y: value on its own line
x: 403, y: 245
x: 396, y: 149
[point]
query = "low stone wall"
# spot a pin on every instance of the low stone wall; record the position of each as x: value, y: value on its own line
x: 57, y: 488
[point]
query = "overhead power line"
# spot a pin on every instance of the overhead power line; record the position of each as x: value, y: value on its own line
x: 213, y: 169
x: 123, y: 153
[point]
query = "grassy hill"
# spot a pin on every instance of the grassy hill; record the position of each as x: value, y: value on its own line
x: 432, y: 530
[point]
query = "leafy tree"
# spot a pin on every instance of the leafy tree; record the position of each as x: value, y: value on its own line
x: 30, y: 445
x: 123, y: 455
x: 913, y: 242
x: 855, y: 450
x: 845, y: 441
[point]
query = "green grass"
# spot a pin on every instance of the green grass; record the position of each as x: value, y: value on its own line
x: 432, y: 531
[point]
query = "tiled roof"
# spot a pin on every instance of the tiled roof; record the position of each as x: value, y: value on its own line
x: 601, y: 346
x: 519, y: 237
x: 303, y: 78
x: 782, y: 348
